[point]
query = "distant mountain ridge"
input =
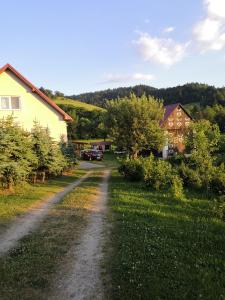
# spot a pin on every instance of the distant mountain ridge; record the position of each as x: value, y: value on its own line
x: 190, y: 93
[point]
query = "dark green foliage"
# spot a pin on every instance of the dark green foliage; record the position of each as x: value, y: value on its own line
x: 133, y: 123
x: 26, y: 155
x: 191, y: 177
x: 215, y: 114
x: 157, y: 173
x: 218, y: 180
x: 177, y: 187
x: 221, y: 149
x: 188, y: 93
x: 50, y: 158
x: 17, y: 158
x: 68, y: 150
x: 202, y: 142
x: 201, y: 170
x: 86, y: 124
x: 132, y: 169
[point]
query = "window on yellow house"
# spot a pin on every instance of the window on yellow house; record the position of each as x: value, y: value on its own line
x: 10, y: 103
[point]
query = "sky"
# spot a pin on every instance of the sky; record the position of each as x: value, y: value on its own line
x: 77, y: 46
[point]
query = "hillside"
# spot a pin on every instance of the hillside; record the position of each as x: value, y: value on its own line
x: 189, y: 93
x: 87, y: 118
x: 75, y: 104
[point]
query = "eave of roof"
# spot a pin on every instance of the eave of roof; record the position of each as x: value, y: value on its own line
x: 34, y: 89
x: 169, y: 109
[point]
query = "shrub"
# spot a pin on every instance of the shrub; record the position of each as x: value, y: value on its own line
x: 23, y: 155
x: 68, y: 151
x: 218, y: 180
x: 50, y: 160
x: 157, y: 173
x: 190, y: 177
x: 17, y: 158
x: 177, y: 187
x: 132, y: 169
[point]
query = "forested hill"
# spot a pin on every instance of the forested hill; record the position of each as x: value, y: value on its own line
x: 185, y: 94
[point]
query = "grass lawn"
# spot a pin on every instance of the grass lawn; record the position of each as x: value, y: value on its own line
x: 77, y: 104
x: 162, y: 248
x: 110, y: 160
x: 26, y: 196
x: 28, y: 272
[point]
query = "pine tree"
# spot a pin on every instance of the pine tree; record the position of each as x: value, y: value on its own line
x: 17, y: 158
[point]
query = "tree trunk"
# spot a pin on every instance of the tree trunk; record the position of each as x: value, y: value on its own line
x: 135, y: 155
x: 10, y: 184
x: 43, y: 177
x: 35, y: 178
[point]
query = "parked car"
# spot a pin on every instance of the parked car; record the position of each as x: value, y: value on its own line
x: 92, y: 155
x: 119, y: 151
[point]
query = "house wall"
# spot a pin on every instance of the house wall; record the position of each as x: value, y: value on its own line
x: 176, y: 126
x: 33, y: 107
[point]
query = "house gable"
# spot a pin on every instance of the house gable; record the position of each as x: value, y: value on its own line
x: 8, y: 68
x: 176, y: 122
x: 33, y: 107
x: 175, y: 117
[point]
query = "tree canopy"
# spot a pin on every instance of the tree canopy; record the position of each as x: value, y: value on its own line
x: 133, y: 123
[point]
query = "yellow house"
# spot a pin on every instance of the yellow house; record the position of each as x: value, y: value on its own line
x: 20, y: 98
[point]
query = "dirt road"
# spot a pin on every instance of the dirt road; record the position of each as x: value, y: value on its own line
x: 29, y: 222
x: 80, y: 278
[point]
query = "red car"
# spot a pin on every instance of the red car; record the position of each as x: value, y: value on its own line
x: 92, y: 155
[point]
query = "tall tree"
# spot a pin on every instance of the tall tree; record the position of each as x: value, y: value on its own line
x: 133, y: 123
x: 202, y: 142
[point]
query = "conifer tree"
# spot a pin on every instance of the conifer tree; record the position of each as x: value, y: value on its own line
x: 17, y: 158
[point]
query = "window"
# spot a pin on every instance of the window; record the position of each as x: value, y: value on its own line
x: 10, y: 103
x: 5, y: 102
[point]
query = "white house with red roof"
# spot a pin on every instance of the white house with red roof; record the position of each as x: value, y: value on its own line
x: 20, y: 98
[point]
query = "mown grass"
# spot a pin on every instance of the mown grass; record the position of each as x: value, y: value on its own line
x: 77, y: 104
x: 26, y: 196
x: 161, y: 248
x: 28, y: 272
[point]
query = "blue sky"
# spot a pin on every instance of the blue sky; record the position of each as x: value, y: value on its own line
x: 78, y: 46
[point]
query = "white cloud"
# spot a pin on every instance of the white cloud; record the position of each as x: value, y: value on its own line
x: 162, y: 51
x: 210, y: 32
x: 215, y: 8
x: 115, y: 78
x: 169, y: 29
x: 147, y: 21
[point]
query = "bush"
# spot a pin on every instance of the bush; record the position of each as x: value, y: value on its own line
x: 177, y: 187
x: 50, y: 159
x: 17, y: 158
x: 24, y: 155
x: 132, y: 169
x: 68, y: 150
x: 190, y: 177
x: 157, y: 173
x: 218, y: 180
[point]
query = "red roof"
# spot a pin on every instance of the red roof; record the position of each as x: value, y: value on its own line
x: 169, y: 109
x: 7, y: 67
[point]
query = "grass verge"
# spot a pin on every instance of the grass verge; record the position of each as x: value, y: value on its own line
x: 161, y: 248
x: 27, y: 196
x: 29, y: 270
